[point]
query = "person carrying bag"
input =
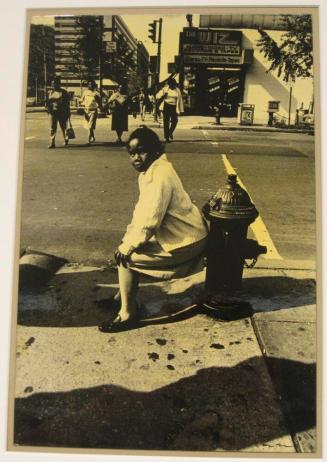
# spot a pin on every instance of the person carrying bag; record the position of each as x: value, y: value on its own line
x: 70, y: 133
x: 58, y: 108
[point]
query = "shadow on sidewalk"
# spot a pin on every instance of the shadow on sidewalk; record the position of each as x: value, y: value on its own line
x: 70, y: 299
x: 227, y: 408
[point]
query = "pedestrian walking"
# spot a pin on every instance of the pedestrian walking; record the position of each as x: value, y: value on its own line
x: 170, y: 102
x: 143, y: 99
x: 151, y: 101
x: 118, y: 103
x: 135, y: 105
x: 166, y: 238
x: 91, y: 101
x: 57, y: 106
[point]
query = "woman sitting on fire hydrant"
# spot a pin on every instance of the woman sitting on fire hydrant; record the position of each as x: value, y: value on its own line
x: 166, y: 238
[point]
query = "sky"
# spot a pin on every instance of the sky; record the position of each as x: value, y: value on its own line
x: 172, y: 25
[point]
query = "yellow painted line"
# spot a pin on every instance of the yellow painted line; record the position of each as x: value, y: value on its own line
x: 258, y: 227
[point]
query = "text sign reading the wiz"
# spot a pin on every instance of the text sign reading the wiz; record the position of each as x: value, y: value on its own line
x: 227, y: 42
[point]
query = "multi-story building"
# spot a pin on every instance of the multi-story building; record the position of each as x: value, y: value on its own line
x: 221, y: 61
x: 70, y: 66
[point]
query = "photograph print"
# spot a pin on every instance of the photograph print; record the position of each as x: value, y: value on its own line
x: 167, y: 233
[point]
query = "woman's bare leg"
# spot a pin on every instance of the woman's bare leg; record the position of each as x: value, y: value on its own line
x: 119, y: 135
x: 128, y: 284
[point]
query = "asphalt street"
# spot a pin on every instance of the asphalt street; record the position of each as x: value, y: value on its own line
x: 77, y: 200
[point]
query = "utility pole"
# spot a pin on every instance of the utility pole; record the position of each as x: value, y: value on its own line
x: 100, y: 55
x: 44, y: 66
x: 156, y: 38
x: 36, y: 94
x: 290, y: 107
x: 159, y: 50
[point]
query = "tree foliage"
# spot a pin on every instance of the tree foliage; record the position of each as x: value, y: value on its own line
x: 90, y: 49
x: 89, y: 44
x: 293, y: 56
x: 41, y: 55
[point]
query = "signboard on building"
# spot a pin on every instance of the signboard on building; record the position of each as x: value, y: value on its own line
x: 193, y: 48
x: 214, y: 59
x: 107, y: 36
x: 273, y: 106
x: 224, y: 42
x: 111, y: 47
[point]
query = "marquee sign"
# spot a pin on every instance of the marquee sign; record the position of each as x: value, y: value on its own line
x: 234, y: 50
x: 209, y: 41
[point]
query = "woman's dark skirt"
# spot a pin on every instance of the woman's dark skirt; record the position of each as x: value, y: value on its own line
x: 119, y: 120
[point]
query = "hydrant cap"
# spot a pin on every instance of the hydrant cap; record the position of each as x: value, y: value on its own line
x: 231, y: 202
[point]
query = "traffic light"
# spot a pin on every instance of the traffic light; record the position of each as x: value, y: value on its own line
x: 153, y: 31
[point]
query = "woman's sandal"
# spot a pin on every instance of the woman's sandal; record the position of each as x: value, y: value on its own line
x: 117, y: 325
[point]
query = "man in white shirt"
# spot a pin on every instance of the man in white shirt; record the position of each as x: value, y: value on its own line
x: 171, y: 105
x: 91, y: 101
x: 167, y: 235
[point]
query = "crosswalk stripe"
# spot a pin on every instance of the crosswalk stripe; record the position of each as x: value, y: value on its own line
x: 258, y: 227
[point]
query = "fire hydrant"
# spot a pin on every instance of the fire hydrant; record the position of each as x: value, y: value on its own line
x: 216, y: 109
x: 230, y: 212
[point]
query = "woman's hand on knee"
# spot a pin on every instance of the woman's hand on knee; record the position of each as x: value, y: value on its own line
x: 122, y: 259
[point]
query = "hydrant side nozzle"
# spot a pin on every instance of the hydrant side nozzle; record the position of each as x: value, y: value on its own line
x: 252, y: 249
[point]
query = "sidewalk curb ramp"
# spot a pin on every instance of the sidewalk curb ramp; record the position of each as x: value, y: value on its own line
x: 37, y: 268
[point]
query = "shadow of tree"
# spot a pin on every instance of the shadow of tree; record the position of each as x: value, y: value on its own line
x: 217, y: 409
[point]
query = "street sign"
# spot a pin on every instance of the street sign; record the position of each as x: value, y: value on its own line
x: 273, y: 106
x: 107, y: 36
x: 111, y: 47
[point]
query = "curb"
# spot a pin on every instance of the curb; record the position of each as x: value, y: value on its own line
x: 37, y: 268
x: 253, y: 129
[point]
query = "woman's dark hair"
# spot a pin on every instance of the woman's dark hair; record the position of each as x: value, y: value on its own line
x: 57, y: 79
x: 148, y: 139
x: 172, y: 82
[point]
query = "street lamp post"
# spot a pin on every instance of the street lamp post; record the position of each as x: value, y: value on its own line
x: 156, y: 38
x: 100, y: 55
x: 44, y: 66
x: 36, y: 93
x: 290, y: 106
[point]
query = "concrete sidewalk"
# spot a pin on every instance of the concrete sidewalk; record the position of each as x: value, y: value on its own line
x: 192, y: 384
